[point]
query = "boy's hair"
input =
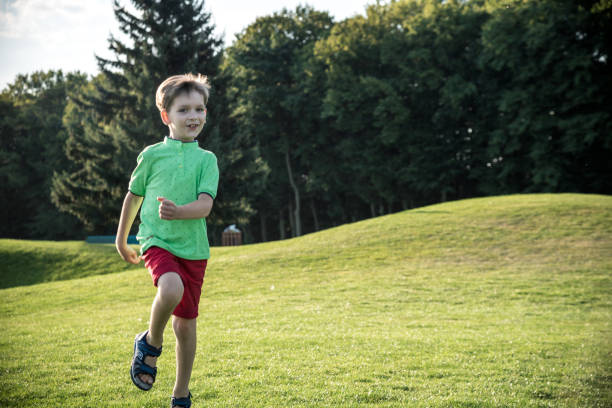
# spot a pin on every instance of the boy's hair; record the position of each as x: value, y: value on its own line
x: 171, y: 87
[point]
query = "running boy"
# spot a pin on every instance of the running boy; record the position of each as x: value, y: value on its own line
x: 175, y: 182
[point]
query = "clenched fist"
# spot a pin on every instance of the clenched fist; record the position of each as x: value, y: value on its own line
x: 167, y: 209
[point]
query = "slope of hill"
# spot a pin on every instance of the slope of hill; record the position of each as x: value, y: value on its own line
x: 32, y: 262
x: 503, y: 301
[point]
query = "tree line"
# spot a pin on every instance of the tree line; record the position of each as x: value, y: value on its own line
x: 317, y: 123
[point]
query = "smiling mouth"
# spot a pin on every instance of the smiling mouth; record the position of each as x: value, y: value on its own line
x: 193, y: 126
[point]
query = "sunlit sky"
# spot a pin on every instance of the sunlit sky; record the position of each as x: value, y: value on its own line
x: 65, y: 34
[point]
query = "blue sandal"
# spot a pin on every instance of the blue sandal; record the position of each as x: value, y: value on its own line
x: 141, y: 350
x: 181, y: 402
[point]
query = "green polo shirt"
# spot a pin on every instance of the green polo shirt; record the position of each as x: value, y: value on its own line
x: 180, y: 172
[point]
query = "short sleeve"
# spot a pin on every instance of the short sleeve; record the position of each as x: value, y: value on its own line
x: 138, y: 181
x: 209, y: 178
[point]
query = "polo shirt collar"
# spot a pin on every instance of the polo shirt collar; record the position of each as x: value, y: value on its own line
x: 178, y: 144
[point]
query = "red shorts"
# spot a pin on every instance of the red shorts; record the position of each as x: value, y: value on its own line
x: 159, y: 261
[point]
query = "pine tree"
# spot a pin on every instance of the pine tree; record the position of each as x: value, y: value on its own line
x: 115, y: 117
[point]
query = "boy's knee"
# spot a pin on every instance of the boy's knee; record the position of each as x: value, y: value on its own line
x: 183, y: 328
x: 170, y: 287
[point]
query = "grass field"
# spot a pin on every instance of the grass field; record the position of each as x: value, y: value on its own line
x: 492, y: 302
x: 31, y: 262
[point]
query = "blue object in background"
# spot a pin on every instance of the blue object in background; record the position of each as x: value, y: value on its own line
x: 108, y: 239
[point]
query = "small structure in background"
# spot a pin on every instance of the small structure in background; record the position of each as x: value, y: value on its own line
x: 231, y: 236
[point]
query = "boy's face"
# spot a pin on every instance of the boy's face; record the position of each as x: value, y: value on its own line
x: 186, y: 116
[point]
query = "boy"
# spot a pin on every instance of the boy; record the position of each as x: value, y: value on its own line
x: 176, y: 183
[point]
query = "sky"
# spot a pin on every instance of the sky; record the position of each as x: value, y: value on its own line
x: 65, y: 34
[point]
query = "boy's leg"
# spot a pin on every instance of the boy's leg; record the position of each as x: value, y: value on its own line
x: 185, y: 332
x: 169, y: 294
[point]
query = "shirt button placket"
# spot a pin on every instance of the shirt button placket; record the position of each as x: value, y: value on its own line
x: 181, y: 157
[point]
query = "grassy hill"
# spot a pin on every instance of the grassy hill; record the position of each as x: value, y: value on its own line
x: 31, y: 262
x: 489, y: 302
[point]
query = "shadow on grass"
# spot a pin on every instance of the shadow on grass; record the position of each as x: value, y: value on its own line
x: 25, y: 263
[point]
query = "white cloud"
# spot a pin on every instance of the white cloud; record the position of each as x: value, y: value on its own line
x: 52, y: 19
x: 53, y: 34
x: 65, y: 34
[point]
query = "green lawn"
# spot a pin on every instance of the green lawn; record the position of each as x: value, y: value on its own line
x: 492, y: 302
x: 31, y: 262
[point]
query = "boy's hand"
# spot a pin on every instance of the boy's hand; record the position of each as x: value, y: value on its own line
x: 167, y: 209
x: 128, y: 254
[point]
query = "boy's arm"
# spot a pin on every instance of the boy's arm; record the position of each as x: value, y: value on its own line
x: 131, y: 204
x: 199, y: 208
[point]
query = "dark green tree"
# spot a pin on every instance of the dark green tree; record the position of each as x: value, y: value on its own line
x: 550, y: 69
x: 271, y: 104
x: 13, y: 177
x: 115, y: 117
x: 401, y: 94
x: 32, y: 149
x: 243, y: 172
x: 444, y: 98
x: 354, y: 93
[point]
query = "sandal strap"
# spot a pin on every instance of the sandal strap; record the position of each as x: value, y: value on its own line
x: 182, y: 402
x: 141, y: 350
x: 143, y: 368
x: 146, y: 348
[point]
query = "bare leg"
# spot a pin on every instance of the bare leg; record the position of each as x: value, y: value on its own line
x: 185, y: 332
x: 169, y: 295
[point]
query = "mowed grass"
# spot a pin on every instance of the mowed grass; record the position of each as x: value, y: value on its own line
x: 31, y: 262
x: 492, y: 302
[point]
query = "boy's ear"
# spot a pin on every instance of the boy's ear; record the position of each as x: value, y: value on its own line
x: 164, y: 117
